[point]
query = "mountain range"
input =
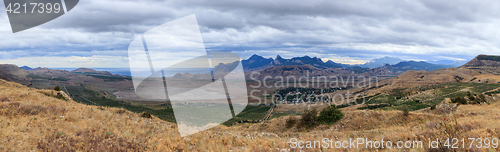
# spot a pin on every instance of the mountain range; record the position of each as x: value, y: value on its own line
x: 278, y: 66
x: 379, y: 62
x: 258, y: 63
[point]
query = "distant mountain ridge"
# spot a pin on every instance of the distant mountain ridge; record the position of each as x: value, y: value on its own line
x: 394, y: 65
x: 379, y: 62
x: 256, y: 62
x: 417, y: 66
x: 91, y: 71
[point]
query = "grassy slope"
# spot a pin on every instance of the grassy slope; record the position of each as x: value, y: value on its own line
x: 427, y: 95
x: 82, y: 94
x: 30, y: 120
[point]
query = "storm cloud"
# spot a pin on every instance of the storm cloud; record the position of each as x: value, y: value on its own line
x: 343, y: 31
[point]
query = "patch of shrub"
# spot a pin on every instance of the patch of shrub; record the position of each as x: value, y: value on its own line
x: 57, y: 88
x: 146, y: 115
x: 290, y: 122
x: 309, y: 119
x: 60, y: 96
x: 459, y: 100
x: 330, y: 115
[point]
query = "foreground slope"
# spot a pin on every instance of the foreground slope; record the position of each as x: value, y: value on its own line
x: 33, y: 119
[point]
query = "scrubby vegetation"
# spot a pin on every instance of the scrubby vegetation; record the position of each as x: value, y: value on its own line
x: 459, y: 100
x: 57, y: 88
x: 310, y: 118
x: 290, y: 122
x: 416, y: 98
x: 488, y: 57
x: 330, y: 115
x: 60, y: 96
x: 146, y: 115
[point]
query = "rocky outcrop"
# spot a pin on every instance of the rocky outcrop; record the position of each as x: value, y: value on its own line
x: 483, y: 60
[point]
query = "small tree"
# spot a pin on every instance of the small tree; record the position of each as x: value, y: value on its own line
x: 330, y: 115
x: 57, y: 88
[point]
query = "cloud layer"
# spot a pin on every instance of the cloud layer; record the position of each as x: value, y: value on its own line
x: 344, y: 31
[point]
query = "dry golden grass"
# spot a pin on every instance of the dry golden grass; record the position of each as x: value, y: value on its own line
x: 31, y: 120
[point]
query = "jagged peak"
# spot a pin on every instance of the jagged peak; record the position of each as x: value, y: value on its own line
x: 278, y: 57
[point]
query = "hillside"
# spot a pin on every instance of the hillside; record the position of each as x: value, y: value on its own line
x: 484, y: 64
x: 88, y: 71
x: 484, y: 60
x: 13, y: 73
x: 36, y: 120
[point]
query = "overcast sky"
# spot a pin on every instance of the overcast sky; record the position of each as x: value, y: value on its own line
x: 97, y: 33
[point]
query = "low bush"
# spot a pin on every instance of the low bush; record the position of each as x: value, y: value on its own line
x: 309, y: 119
x: 60, y: 96
x: 459, y: 100
x: 57, y: 88
x: 146, y: 115
x: 330, y: 115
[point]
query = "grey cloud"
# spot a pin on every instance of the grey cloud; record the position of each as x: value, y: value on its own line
x: 357, y: 28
